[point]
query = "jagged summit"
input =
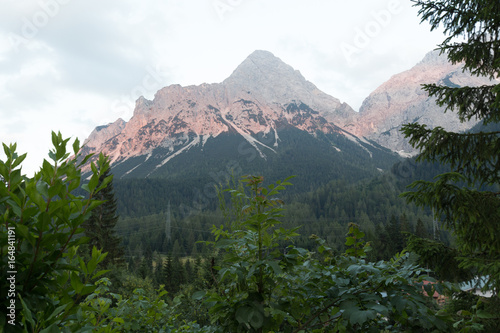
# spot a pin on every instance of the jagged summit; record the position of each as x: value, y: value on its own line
x: 264, y: 96
x: 262, y: 67
x: 261, y: 97
x: 401, y: 100
x: 434, y: 58
x: 268, y: 78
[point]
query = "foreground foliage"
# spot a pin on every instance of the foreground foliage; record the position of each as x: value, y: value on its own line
x: 46, y: 217
x: 264, y: 284
x: 256, y: 281
x: 51, y: 288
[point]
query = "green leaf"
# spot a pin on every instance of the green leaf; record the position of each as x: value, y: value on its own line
x: 275, y: 266
x: 18, y: 161
x: 51, y: 329
x: 76, y: 146
x: 57, y: 311
x: 94, y: 181
x: 83, y: 267
x: 24, y: 232
x: 27, y: 312
x: 76, y: 283
x: 484, y: 314
x: 224, y: 243
x: 350, y: 241
x: 379, y: 308
x: 359, y: 317
x: 256, y: 319
x: 7, y: 150
x: 43, y: 188
x: 86, y: 188
x: 465, y: 313
x: 95, y: 276
x: 198, y: 295
x: 242, y: 314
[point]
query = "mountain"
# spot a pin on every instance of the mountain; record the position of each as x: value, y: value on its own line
x: 401, y: 100
x: 265, y: 118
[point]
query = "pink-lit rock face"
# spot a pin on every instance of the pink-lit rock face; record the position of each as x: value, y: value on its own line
x: 401, y: 100
x: 261, y: 95
x: 264, y: 94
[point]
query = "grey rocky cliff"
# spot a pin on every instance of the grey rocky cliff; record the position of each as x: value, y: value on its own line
x: 401, y: 100
x: 101, y: 134
x: 262, y: 94
x: 270, y: 79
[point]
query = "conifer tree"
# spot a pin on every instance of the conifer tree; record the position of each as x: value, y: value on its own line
x: 394, y: 235
x: 100, y: 227
x: 178, y: 274
x: 188, y: 270
x: 143, y: 270
x: 158, y: 272
x: 177, y: 250
x: 472, y: 211
x: 168, y: 274
x: 148, y: 258
x: 421, y: 230
x: 194, y: 250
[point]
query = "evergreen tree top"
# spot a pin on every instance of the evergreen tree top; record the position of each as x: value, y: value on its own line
x: 476, y: 22
x: 471, y: 212
x: 473, y: 29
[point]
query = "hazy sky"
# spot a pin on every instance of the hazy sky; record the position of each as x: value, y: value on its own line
x: 71, y: 65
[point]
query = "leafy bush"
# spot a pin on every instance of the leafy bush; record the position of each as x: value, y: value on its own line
x: 107, y: 312
x: 53, y: 288
x: 266, y: 284
x: 45, y: 215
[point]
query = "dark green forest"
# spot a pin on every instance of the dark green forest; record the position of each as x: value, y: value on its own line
x: 326, y: 210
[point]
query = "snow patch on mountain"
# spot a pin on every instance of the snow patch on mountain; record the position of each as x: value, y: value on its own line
x: 247, y: 136
x: 131, y: 170
x: 195, y: 141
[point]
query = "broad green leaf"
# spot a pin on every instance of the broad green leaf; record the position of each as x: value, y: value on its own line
x: 275, y: 266
x: 27, y: 312
x: 256, y: 319
x: 76, y: 146
x: 242, y: 314
x: 76, y: 283
x: 350, y: 241
x: 198, y: 295
x: 360, y: 317
x: 224, y: 243
x: 18, y: 161
x: 57, y: 311
x: 484, y: 314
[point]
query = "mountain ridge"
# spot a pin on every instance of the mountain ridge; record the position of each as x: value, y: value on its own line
x: 264, y: 96
x: 179, y: 118
x: 402, y: 100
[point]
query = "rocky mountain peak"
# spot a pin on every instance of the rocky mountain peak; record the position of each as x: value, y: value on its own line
x: 142, y: 105
x: 262, y: 66
x: 103, y: 133
x: 402, y: 100
x: 264, y: 95
x: 261, y: 71
x: 434, y: 58
x: 267, y: 77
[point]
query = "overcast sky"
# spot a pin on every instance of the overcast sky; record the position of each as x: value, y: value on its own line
x: 71, y: 65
